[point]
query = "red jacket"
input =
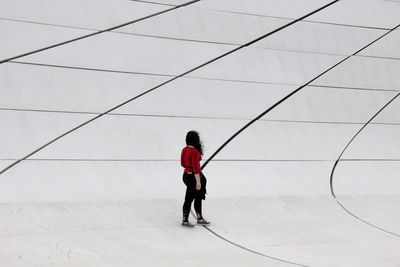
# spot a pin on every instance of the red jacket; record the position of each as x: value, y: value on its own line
x: 190, y: 160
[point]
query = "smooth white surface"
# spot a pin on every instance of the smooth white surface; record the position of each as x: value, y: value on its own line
x: 260, y: 65
x: 193, y: 23
x: 90, y: 14
x: 321, y: 38
x: 390, y: 114
x: 369, y: 13
x: 335, y: 239
x: 70, y: 89
x: 110, y: 193
x: 364, y: 73
x: 388, y: 47
x: 26, y: 131
x: 225, y: 99
x: 376, y: 142
x: 334, y: 105
x: 131, y: 137
x: 16, y: 38
x: 213, y: 99
x: 379, y: 210
x: 286, y: 8
x: 168, y: 2
x: 121, y: 234
x: 121, y: 52
x: 307, y: 141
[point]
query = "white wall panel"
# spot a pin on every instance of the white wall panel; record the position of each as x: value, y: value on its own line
x: 5, y: 163
x: 370, y: 13
x: 20, y: 37
x: 361, y: 72
x: 26, y: 131
x: 169, y: 2
x: 206, y: 25
x: 131, y: 137
x: 289, y: 141
x: 93, y: 14
x: 224, y: 99
x: 208, y: 98
x: 121, y: 137
x: 376, y: 142
x: 77, y: 181
x: 366, y: 178
x: 113, y: 51
x: 321, y: 104
x: 60, y: 89
x: 386, y: 47
x: 286, y: 8
x: 390, y: 114
x: 267, y: 178
x: 261, y: 65
x: 320, y: 38
x: 93, y: 181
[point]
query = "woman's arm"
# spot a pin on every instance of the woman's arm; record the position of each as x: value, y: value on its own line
x: 196, y: 157
x: 198, y: 184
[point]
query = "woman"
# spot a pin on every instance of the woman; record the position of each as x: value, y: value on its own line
x: 193, y: 178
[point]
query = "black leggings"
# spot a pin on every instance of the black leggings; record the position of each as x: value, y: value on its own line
x: 191, y: 193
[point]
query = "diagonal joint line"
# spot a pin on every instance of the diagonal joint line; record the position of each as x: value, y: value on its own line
x: 98, y: 32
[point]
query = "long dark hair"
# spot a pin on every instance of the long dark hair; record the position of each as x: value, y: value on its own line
x: 193, y: 139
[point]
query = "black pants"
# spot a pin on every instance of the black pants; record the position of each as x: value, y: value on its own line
x: 191, y: 193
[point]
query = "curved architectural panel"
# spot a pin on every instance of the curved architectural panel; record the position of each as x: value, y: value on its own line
x: 370, y: 13
x: 314, y: 37
x: 286, y: 8
x: 90, y: 14
x: 93, y: 129
x: 386, y: 48
x: 192, y: 23
x: 71, y: 90
x: 260, y: 65
x: 140, y: 54
x: 17, y: 37
x: 27, y: 130
x: 364, y: 73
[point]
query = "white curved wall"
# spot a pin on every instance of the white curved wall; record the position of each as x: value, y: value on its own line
x: 271, y: 183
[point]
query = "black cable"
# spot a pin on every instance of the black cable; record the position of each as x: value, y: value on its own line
x: 339, y: 158
x: 164, y: 83
x: 98, y: 32
x: 291, y: 94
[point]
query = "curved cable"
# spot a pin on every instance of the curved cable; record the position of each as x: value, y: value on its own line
x: 98, y: 32
x: 291, y: 94
x: 339, y: 158
x: 164, y: 83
